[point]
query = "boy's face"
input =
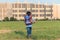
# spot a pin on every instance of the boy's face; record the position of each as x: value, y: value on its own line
x: 29, y: 14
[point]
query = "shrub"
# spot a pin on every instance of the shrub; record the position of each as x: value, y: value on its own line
x: 42, y: 19
x: 13, y: 19
x: 21, y: 19
x: 6, y: 19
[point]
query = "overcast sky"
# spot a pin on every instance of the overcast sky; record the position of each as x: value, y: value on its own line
x: 35, y: 1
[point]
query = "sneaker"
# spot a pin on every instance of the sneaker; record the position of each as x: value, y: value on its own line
x: 30, y: 36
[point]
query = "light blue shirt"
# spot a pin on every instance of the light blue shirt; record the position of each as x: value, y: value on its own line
x: 27, y: 21
x: 29, y: 26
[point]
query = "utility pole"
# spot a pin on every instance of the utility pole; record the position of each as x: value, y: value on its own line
x: 39, y: 9
x: 35, y: 5
x: 2, y: 13
x: 26, y: 4
x: 51, y: 11
x: 44, y: 11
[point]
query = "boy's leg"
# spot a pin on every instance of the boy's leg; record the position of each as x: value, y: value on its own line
x: 28, y: 31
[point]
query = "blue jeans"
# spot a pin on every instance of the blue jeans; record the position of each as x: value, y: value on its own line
x: 29, y: 30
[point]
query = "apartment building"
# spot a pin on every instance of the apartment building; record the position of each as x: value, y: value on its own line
x: 5, y: 10
x: 39, y: 11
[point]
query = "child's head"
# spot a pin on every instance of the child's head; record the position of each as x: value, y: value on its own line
x: 28, y: 13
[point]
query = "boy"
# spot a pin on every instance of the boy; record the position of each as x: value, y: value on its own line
x: 28, y: 22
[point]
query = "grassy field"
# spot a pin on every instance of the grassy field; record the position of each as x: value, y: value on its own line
x: 41, y: 30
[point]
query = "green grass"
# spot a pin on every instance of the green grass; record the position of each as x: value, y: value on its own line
x: 41, y: 30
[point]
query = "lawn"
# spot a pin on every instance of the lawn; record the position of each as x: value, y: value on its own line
x: 41, y: 30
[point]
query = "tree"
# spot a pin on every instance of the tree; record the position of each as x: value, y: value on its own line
x: 6, y: 19
x: 13, y: 19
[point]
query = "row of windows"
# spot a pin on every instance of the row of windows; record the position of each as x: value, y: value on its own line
x: 31, y: 6
x: 46, y: 10
x: 41, y: 15
x: 47, y: 6
x: 25, y: 10
x: 14, y: 10
x: 23, y: 5
x: 34, y: 15
x: 46, y: 15
x: 16, y: 5
x: 19, y: 10
x: 20, y: 15
x: 33, y: 10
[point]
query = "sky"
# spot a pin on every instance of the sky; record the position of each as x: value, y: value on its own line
x: 35, y: 1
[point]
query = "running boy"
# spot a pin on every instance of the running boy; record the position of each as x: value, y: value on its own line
x: 28, y: 22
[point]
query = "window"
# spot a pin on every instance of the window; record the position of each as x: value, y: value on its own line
x: 47, y: 6
x: 36, y: 10
x: 48, y: 14
x: 14, y: 15
x: 33, y: 15
x: 33, y: 10
x: 14, y: 10
x: 49, y: 10
x: 32, y: 5
x: 41, y: 6
x: 16, y: 5
x: 24, y: 5
x: 37, y: 6
x: 23, y: 15
x: 19, y: 5
x: 19, y: 10
x: 22, y: 10
x: 50, y: 6
x: 13, y: 5
x: 41, y: 10
x: 36, y: 15
x: 45, y: 15
x: 42, y: 15
x: 19, y: 15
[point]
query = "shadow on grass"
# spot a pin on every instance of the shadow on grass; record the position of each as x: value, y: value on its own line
x: 34, y: 37
x: 20, y: 32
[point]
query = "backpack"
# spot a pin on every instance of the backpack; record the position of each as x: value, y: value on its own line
x: 28, y: 20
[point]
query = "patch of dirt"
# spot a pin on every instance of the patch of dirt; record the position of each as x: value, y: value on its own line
x: 5, y: 31
x: 23, y: 39
x: 58, y: 39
